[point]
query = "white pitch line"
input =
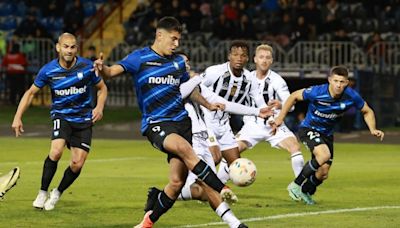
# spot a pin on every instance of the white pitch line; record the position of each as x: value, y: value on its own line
x: 298, y: 215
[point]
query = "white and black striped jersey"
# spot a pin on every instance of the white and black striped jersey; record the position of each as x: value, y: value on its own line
x: 271, y: 87
x: 220, y: 79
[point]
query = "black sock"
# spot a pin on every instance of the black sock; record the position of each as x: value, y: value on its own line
x: 49, y: 169
x: 163, y: 204
x: 310, y: 186
x: 309, y: 169
x: 205, y: 173
x: 68, y: 178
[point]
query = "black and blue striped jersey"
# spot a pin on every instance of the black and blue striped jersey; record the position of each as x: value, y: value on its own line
x: 324, y: 111
x: 71, y: 89
x: 157, y: 80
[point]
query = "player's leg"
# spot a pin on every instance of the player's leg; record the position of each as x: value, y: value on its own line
x: 293, y: 147
x: 166, y: 198
x: 8, y: 180
x: 310, y: 186
x: 79, y: 144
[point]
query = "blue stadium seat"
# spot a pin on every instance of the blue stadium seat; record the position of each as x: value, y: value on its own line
x: 89, y: 9
x: 7, y: 9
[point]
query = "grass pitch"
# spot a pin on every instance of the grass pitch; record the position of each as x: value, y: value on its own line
x: 362, y: 190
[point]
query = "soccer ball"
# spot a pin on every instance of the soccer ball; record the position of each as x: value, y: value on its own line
x: 242, y: 172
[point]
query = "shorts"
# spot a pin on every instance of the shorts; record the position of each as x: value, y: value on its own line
x: 211, y: 139
x: 157, y: 132
x: 75, y: 134
x: 254, y: 132
x: 224, y: 135
x: 312, y: 138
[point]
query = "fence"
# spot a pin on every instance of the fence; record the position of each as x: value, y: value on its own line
x: 382, y: 59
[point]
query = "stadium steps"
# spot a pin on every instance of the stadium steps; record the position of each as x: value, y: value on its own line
x: 113, y: 32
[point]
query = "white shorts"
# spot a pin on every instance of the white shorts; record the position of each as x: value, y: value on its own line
x: 254, y: 132
x: 223, y: 134
x: 200, y: 147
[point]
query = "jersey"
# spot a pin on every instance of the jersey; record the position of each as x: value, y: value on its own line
x: 71, y: 89
x: 156, y: 80
x: 220, y: 79
x: 271, y: 87
x: 324, y: 111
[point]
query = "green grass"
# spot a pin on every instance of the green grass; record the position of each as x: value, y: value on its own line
x: 41, y: 115
x: 112, y: 188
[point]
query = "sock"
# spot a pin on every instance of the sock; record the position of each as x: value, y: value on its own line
x: 223, y: 171
x: 49, y: 169
x: 186, y: 193
x: 163, y: 204
x: 68, y: 178
x: 297, y: 163
x: 205, y: 173
x: 309, y: 169
x: 310, y: 186
x: 227, y: 215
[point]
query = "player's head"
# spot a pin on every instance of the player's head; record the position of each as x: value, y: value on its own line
x: 67, y: 48
x: 238, y: 54
x: 263, y: 57
x: 338, y: 80
x: 168, y: 34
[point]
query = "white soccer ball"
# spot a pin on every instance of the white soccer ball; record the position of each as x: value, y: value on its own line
x: 242, y: 172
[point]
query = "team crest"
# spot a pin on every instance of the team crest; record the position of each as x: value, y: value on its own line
x: 233, y: 90
x: 80, y: 75
x: 176, y: 65
x: 56, y: 133
x: 342, y: 106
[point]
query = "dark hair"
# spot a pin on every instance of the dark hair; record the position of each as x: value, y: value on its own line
x: 239, y: 43
x: 169, y: 24
x: 339, y: 70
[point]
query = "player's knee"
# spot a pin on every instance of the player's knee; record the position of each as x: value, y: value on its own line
x: 77, y: 164
x: 56, y: 153
x: 176, y: 183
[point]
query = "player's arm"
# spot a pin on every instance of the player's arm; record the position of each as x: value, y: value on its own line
x: 187, y: 87
x: 369, y: 117
x: 102, y: 92
x: 282, y: 92
x: 198, y: 98
x: 290, y: 102
x: 24, y: 104
x: 106, y: 71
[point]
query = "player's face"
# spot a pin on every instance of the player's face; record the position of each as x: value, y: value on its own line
x: 337, y: 84
x: 169, y: 41
x: 67, y: 49
x: 263, y: 60
x: 238, y: 57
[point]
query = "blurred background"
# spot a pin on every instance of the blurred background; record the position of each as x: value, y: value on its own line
x: 308, y: 37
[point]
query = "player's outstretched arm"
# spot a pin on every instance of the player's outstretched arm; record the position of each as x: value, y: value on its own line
x: 292, y: 100
x: 24, y: 104
x: 104, y: 70
x: 369, y: 117
x: 101, y: 100
x: 198, y: 98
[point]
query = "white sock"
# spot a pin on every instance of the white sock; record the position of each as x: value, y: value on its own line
x: 223, y: 171
x: 185, y: 194
x: 297, y: 163
x: 227, y: 215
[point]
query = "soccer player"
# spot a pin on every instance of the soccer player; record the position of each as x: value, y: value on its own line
x: 157, y: 74
x: 71, y: 79
x: 327, y: 104
x: 9, y: 180
x: 273, y: 88
x: 233, y: 82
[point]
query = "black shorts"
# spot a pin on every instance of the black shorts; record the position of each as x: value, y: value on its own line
x: 312, y: 138
x: 157, y: 132
x: 75, y: 134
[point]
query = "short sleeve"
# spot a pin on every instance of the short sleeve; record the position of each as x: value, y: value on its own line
x: 41, y: 78
x: 308, y: 94
x: 131, y: 63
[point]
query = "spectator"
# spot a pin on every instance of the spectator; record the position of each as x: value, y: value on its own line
x: 15, y: 65
x: 91, y: 53
x: 73, y: 18
x: 30, y: 26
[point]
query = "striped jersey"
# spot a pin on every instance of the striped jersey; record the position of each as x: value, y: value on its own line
x: 71, y: 89
x: 271, y: 87
x: 220, y: 79
x: 324, y: 111
x: 156, y: 79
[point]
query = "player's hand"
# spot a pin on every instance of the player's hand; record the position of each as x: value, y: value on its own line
x: 97, y: 114
x: 17, y: 126
x: 98, y: 64
x: 275, y: 103
x: 266, y: 112
x: 378, y: 133
x: 275, y: 123
x: 216, y: 107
